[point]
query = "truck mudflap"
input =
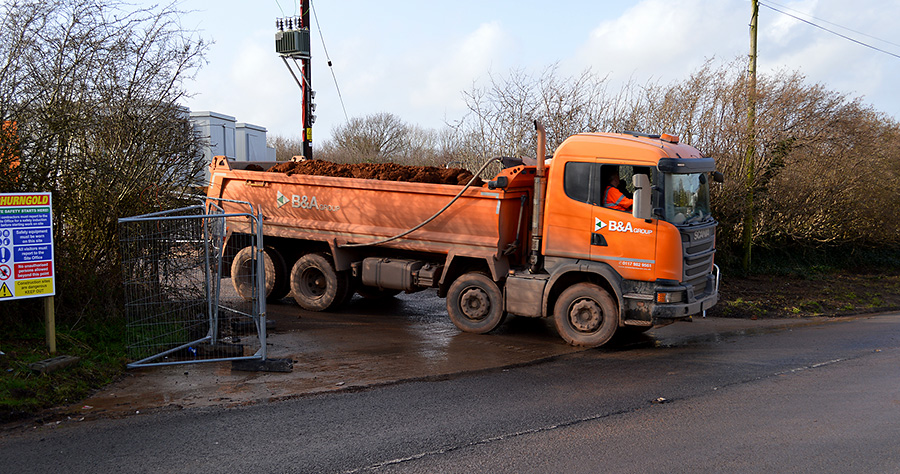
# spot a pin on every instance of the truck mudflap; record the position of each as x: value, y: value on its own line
x: 657, y: 307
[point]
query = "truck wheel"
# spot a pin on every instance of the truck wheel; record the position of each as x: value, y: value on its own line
x: 475, y: 303
x: 277, y: 284
x: 585, y: 315
x: 316, y: 285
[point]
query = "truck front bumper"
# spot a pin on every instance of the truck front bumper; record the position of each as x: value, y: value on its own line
x: 683, y: 310
x: 645, y: 308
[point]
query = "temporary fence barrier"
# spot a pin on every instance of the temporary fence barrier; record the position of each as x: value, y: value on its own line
x: 177, y: 309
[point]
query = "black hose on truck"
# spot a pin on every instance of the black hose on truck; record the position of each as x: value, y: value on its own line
x: 426, y: 221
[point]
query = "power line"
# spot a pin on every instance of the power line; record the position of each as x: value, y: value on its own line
x: 832, y: 32
x: 837, y: 25
x: 333, y: 76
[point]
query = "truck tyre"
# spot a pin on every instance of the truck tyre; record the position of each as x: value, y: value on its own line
x: 585, y: 315
x: 475, y: 303
x: 277, y: 284
x: 316, y: 285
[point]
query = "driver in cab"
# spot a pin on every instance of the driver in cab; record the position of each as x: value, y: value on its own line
x: 613, y: 198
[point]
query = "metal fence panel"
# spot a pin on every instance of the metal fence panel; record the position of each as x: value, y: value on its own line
x: 177, y: 310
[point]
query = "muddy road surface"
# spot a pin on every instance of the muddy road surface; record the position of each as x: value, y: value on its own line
x: 809, y: 398
x: 366, y: 343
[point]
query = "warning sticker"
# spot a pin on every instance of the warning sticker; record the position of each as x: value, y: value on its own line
x: 4, y: 292
x: 27, y: 288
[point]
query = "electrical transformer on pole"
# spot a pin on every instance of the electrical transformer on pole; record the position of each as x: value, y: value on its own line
x: 292, y: 41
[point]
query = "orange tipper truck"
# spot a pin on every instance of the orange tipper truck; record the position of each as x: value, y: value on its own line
x: 535, y: 241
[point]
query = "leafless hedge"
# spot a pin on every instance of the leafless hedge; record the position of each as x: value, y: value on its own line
x: 826, y: 165
x: 93, y: 88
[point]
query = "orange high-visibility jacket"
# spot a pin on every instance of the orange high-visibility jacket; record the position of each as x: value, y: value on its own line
x: 614, y: 199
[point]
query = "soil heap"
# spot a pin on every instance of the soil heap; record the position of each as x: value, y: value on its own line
x: 381, y: 171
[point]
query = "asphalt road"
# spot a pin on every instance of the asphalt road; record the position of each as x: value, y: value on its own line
x: 822, y: 398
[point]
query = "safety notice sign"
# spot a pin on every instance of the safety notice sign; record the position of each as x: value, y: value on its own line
x: 26, y: 246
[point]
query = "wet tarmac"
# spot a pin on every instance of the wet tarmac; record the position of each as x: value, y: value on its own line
x: 367, y: 344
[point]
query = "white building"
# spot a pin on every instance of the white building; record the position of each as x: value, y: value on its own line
x: 224, y: 136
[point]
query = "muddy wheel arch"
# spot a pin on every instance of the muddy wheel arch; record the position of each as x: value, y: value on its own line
x: 568, y: 274
x: 456, y: 265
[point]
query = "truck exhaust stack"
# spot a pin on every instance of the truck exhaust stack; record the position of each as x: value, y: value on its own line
x: 539, y: 184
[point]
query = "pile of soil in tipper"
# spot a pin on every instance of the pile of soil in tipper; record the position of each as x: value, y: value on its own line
x: 382, y: 171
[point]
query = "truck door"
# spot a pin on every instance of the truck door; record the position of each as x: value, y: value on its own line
x: 567, y: 221
x: 625, y: 243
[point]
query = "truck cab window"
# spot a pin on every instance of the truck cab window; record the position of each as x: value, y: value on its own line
x: 626, y: 184
x: 624, y: 173
x: 687, y: 198
x: 577, y: 181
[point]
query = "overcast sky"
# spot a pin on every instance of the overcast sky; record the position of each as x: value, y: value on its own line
x: 415, y: 58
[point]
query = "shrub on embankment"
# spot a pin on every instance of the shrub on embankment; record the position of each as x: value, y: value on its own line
x: 89, y: 94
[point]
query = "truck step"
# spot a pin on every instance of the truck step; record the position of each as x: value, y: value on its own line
x: 638, y: 322
x: 637, y: 296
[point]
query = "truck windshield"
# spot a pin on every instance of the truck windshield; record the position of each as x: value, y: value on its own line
x: 686, y: 198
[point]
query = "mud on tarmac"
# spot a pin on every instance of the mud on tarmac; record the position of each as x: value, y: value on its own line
x: 405, y: 338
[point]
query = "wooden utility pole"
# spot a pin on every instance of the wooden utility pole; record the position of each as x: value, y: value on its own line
x: 308, y: 106
x: 751, y: 138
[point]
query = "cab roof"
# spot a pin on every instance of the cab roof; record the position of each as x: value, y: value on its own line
x: 625, y: 148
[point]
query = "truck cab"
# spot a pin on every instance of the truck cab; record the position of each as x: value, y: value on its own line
x: 653, y: 261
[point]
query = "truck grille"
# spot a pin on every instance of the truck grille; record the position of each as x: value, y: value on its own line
x: 699, y: 251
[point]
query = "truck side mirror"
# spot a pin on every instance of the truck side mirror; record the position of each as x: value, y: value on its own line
x: 641, y: 208
x: 718, y: 177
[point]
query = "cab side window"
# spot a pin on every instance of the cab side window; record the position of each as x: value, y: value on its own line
x: 626, y: 185
x: 587, y: 182
x: 577, y: 181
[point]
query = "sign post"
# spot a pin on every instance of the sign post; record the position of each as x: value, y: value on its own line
x: 26, y: 252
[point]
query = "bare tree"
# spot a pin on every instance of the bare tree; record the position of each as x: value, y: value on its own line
x: 500, y: 118
x: 823, y: 165
x: 285, y: 147
x: 375, y: 137
x: 93, y: 88
x: 383, y: 137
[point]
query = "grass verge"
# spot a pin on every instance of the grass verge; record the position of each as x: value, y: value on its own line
x: 792, y: 295
x: 24, y: 392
